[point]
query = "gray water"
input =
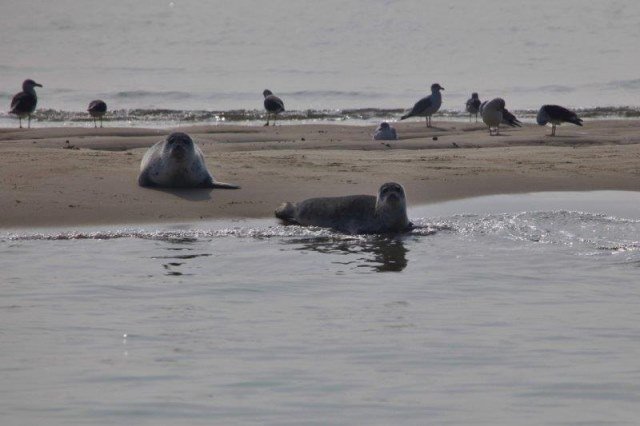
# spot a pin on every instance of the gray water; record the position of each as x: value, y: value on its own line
x: 502, y: 310
x: 191, y: 55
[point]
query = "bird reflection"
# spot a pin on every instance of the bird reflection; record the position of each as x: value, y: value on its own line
x: 381, y: 254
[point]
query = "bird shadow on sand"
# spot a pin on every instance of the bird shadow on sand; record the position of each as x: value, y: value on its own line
x: 440, y: 129
x: 190, y: 194
x: 476, y: 128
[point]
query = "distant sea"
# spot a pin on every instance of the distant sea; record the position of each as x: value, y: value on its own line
x: 187, y: 55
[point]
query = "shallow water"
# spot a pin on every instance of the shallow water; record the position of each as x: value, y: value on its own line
x: 517, y: 309
x: 190, y: 55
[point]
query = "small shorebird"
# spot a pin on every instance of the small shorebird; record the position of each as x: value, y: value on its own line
x: 555, y: 114
x: 473, y: 106
x: 385, y: 132
x: 273, y: 105
x: 428, y: 105
x: 494, y: 113
x: 24, y: 103
x: 97, y: 109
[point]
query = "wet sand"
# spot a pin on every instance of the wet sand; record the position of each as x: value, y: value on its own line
x: 91, y: 179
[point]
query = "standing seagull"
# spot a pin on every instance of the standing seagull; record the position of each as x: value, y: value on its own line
x: 273, y: 105
x: 494, y: 113
x: 555, y: 114
x: 427, y: 106
x: 24, y: 103
x: 473, y: 106
x: 97, y: 109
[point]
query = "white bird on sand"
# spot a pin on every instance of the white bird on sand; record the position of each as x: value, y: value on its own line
x: 385, y: 132
x: 428, y: 105
x: 555, y: 114
x: 473, y: 106
x: 494, y: 113
x: 273, y: 105
x: 24, y: 103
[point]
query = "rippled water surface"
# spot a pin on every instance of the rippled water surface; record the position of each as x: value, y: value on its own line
x: 517, y: 309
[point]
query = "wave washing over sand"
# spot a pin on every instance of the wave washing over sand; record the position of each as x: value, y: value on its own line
x: 362, y: 116
x: 560, y: 227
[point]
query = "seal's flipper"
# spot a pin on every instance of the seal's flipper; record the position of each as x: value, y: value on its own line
x: 210, y: 183
x: 223, y: 185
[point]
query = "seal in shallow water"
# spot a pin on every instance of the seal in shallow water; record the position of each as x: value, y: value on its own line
x: 177, y: 162
x: 354, y: 214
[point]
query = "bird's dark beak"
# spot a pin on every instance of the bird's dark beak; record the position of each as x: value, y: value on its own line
x: 441, y: 88
x: 38, y: 85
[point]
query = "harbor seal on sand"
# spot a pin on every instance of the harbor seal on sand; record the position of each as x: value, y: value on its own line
x: 354, y: 214
x: 177, y: 162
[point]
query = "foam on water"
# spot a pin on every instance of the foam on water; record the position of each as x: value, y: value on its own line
x: 570, y: 228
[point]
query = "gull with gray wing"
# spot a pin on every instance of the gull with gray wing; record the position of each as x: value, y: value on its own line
x: 495, y: 113
x: 555, y: 114
x: 273, y: 105
x: 427, y: 106
x: 97, y: 109
x: 473, y: 106
x: 24, y: 103
x: 385, y: 132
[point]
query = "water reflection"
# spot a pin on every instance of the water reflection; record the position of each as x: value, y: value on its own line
x: 176, y: 261
x: 381, y: 254
x: 389, y: 255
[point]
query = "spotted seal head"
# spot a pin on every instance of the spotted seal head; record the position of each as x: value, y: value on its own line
x: 177, y: 162
x: 391, y: 207
x: 353, y: 214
